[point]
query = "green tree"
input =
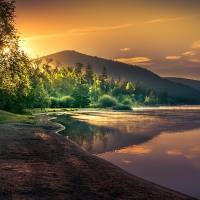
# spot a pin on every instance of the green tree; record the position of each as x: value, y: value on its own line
x: 89, y: 74
x: 81, y: 95
x: 78, y: 68
x: 130, y: 88
x: 140, y: 92
x: 95, y: 90
x: 38, y: 96
x: 151, y: 99
x: 103, y: 78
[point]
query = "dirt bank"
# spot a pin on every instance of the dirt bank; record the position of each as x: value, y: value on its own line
x: 36, y: 163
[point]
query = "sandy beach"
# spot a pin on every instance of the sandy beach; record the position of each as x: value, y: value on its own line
x: 37, y: 163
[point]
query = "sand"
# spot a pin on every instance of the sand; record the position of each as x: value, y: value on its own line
x: 37, y: 163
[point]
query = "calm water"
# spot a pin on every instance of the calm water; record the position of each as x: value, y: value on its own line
x: 161, y: 145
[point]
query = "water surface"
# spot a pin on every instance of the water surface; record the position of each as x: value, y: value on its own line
x: 161, y: 145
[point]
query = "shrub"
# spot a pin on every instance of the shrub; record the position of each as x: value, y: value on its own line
x: 94, y: 105
x: 67, y: 102
x: 54, y: 102
x: 121, y: 97
x: 127, y: 102
x: 107, y: 101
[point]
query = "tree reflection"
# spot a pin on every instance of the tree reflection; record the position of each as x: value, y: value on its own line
x: 111, y: 131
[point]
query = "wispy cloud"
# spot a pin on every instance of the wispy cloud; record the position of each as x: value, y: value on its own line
x: 194, y: 60
x: 174, y: 152
x: 134, y: 60
x: 125, y: 49
x: 74, y: 32
x: 196, y: 44
x: 166, y: 20
x: 93, y: 29
x: 191, y: 53
x: 173, y: 57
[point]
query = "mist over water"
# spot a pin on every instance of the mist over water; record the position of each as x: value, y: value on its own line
x: 157, y: 144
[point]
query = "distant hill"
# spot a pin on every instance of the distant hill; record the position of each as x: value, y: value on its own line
x: 185, y: 81
x: 130, y: 73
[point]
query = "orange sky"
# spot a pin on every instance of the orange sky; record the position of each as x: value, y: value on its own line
x: 162, y: 36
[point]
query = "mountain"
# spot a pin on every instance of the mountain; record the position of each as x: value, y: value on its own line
x: 192, y: 83
x: 177, y: 91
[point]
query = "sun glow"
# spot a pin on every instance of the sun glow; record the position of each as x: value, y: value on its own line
x: 6, y: 50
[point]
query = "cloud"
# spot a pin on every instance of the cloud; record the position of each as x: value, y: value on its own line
x: 126, y: 161
x: 74, y: 32
x: 134, y: 60
x: 135, y: 150
x: 173, y: 57
x: 174, y: 152
x: 196, y: 44
x: 192, y: 53
x: 166, y: 20
x: 194, y: 60
x: 125, y: 49
x: 190, y: 156
x: 90, y: 30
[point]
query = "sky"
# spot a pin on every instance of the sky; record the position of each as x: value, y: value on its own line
x: 159, y: 35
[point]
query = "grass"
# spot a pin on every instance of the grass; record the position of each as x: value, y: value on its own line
x: 7, y: 117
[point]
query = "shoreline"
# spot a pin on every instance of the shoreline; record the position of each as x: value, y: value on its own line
x: 36, y: 162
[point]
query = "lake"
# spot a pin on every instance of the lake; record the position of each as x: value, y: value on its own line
x: 161, y: 145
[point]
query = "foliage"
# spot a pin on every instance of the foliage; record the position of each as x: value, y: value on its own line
x: 151, y: 99
x: 54, y: 102
x: 103, y: 78
x: 107, y: 101
x: 15, y: 69
x: 81, y: 95
x: 67, y: 102
x: 163, y: 96
x: 127, y: 101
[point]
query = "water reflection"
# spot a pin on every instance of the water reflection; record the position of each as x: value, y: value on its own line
x: 171, y: 160
x: 159, y: 145
x: 100, y: 132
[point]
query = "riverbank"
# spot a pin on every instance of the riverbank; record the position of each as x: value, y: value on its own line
x: 36, y: 163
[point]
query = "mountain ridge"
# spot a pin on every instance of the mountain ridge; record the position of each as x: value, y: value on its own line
x: 131, y: 73
x: 186, y: 81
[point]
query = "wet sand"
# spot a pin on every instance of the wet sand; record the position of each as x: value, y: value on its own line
x: 37, y: 163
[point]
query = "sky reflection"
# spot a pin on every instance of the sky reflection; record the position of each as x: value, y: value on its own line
x: 173, y: 161
x: 159, y: 145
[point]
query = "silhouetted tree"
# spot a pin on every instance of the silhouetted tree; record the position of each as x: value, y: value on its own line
x: 163, y: 96
x: 89, y: 74
x: 103, y: 78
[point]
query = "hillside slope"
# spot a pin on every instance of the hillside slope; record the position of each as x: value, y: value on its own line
x: 192, y: 83
x: 131, y: 73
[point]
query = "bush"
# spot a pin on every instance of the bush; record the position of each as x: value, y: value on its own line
x: 121, y: 97
x: 107, y: 101
x: 127, y: 102
x: 67, y: 102
x: 94, y: 105
x: 54, y: 102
